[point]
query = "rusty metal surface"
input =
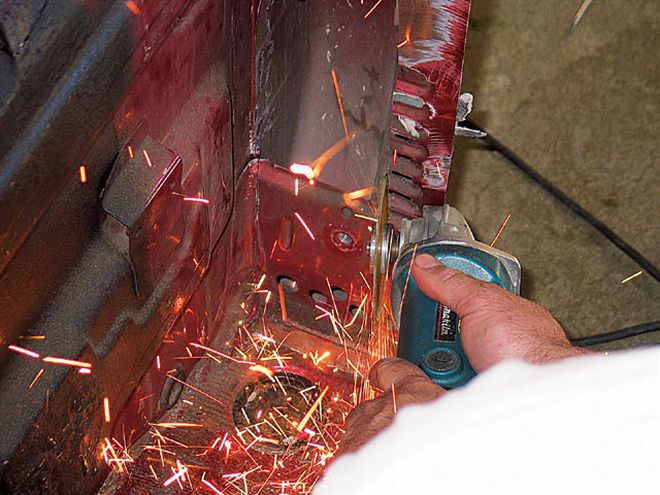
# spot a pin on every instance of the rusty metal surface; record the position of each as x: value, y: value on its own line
x: 433, y: 34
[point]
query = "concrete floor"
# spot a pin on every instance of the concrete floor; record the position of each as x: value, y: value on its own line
x: 584, y: 112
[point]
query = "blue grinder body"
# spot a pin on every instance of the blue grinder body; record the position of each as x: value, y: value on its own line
x: 429, y: 333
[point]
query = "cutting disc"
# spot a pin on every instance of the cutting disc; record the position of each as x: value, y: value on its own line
x: 381, y: 252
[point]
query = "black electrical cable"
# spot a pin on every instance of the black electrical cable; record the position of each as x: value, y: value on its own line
x: 624, y: 333
x: 495, y: 145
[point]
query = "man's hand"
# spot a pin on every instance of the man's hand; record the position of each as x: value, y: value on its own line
x: 409, y: 384
x: 495, y: 324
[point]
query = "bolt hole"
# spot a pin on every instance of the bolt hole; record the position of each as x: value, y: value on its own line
x: 288, y: 284
x: 343, y: 240
x: 353, y: 309
x: 318, y: 296
x: 347, y: 212
x: 339, y: 294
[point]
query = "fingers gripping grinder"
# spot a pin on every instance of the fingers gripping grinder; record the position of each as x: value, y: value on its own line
x: 429, y: 333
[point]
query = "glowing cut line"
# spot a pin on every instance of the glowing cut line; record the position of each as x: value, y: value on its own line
x: 302, y: 169
x: 302, y: 222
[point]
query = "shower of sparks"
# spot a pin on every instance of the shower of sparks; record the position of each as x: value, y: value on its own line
x: 499, y: 232
x: 41, y: 372
x: 145, y: 153
x: 339, y: 102
x: 22, y: 350
x: 372, y: 9
x: 302, y: 169
x: 106, y: 410
x: 132, y: 6
x: 196, y: 200
x: 302, y: 222
x: 303, y: 427
x: 632, y: 277
x: 131, y: 154
x: 66, y: 362
x: 83, y: 174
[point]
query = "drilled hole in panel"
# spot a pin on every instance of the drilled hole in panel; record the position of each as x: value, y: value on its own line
x: 287, y: 283
x: 339, y: 294
x: 317, y: 296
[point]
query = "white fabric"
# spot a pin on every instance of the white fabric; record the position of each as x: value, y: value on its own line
x: 580, y: 426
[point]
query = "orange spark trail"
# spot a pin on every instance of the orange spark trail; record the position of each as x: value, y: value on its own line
x: 132, y: 6
x: 177, y: 475
x: 360, y: 193
x: 23, y: 351
x: 314, y: 407
x: 339, y: 102
x: 178, y: 425
x: 280, y: 291
x: 83, y: 174
x: 196, y: 200
x: 499, y: 232
x: 130, y: 151
x: 215, y: 490
x: 319, y: 164
x: 145, y: 153
x: 85, y: 371
x: 302, y: 222
x: 262, y: 369
x: 106, y: 410
x: 372, y: 9
x: 296, y: 187
x: 41, y: 372
x: 394, y: 407
x: 66, y: 362
x: 407, y: 37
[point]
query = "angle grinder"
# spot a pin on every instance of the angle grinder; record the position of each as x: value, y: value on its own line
x: 429, y: 332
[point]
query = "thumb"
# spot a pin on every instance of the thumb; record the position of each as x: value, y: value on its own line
x: 454, y: 289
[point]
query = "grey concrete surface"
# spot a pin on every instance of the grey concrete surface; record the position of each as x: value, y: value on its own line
x: 583, y: 111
